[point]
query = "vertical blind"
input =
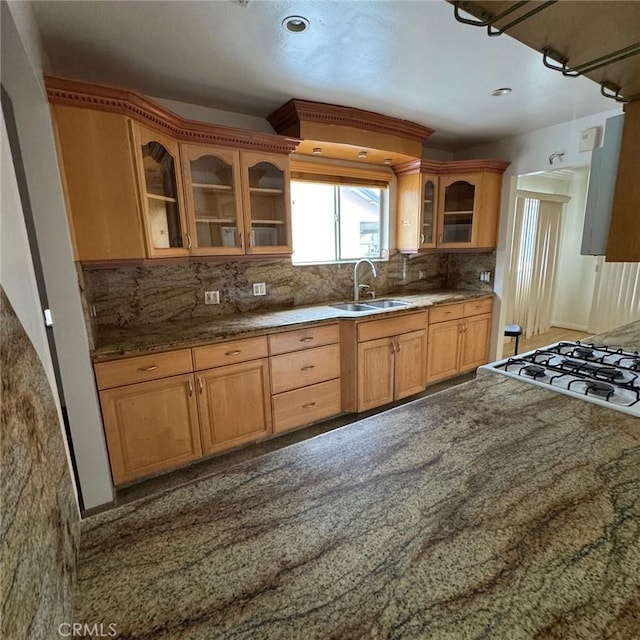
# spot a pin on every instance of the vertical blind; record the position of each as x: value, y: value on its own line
x: 616, y: 295
x: 534, y: 258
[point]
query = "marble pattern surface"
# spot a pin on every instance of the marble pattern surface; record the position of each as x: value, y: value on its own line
x: 493, y: 510
x: 40, y: 524
x: 114, y: 341
x: 131, y: 296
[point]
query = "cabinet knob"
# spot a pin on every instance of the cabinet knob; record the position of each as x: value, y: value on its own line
x: 306, y: 339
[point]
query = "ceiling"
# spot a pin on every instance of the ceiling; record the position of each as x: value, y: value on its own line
x: 406, y: 59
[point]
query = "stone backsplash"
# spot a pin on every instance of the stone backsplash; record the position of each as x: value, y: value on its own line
x: 127, y: 296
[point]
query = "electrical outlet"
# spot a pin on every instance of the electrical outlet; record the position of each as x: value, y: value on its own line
x: 485, y: 276
x: 259, y: 289
x: 422, y: 274
x: 212, y: 297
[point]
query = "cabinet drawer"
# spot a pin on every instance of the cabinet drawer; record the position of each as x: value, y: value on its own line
x: 118, y: 373
x: 302, y: 406
x: 303, y: 339
x: 295, y: 370
x: 446, y: 312
x: 217, y: 355
x: 477, y: 307
x: 375, y: 329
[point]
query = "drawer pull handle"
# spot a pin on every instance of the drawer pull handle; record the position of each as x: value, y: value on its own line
x: 308, y: 405
x: 235, y: 352
x: 190, y: 388
x: 199, y: 384
x: 398, y: 347
x: 307, y: 339
x: 446, y: 313
x: 152, y: 367
x: 308, y: 367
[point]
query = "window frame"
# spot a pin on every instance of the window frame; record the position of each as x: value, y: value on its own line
x: 346, y: 175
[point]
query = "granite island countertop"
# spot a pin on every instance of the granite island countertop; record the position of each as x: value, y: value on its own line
x: 114, y: 342
x: 495, y: 510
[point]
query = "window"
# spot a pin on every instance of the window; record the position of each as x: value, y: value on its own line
x: 334, y: 222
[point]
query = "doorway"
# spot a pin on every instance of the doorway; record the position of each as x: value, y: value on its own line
x: 549, y: 288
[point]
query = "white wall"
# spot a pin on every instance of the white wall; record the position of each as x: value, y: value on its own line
x: 22, y: 78
x: 576, y: 273
x: 529, y: 153
x: 215, y: 116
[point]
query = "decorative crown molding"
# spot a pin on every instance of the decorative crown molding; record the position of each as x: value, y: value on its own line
x: 452, y: 167
x: 295, y: 111
x: 77, y: 93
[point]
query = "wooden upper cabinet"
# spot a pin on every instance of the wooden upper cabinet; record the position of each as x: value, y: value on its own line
x: 623, y: 244
x: 267, y: 202
x: 142, y: 182
x: 158, y: 167
x: 442, y: 205
x: 214, y: 199
x: 99, y: 179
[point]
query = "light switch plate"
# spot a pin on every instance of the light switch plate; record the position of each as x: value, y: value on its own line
x: 259, y: 289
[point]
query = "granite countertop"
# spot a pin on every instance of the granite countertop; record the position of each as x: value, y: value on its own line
x: 495, y: 509
x: 113, y: 342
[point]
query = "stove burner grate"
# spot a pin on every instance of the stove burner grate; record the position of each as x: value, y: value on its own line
x: 600, y: 389
x: 533, y: 371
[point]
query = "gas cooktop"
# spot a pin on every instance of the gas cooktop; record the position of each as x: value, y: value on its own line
x: 605, y: 376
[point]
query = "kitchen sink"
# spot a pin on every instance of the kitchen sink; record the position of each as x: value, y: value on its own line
x: 386, y: 304
x: 353, y: 306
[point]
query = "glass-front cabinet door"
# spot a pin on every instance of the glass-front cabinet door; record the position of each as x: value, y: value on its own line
x: 428, y: 197
x: 157, y: 160
x: 457, y: 208
x: 266, y: 203
x: 214, y: 211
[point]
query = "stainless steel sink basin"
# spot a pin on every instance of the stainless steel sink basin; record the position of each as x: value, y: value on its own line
x: 386, y: 304
x: 353, y: 306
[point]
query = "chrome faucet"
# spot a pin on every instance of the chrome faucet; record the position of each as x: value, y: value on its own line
x: 356, y: 287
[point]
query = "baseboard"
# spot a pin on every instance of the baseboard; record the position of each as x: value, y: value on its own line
x: 569, y: 325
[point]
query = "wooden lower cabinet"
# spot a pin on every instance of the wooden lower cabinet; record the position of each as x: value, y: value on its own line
x: 151, y: 426
x: 391, y: 369
x: 384, y: 360
x: 460, y: 345
x: 474, y: 350
x: 410, y: 361
x: 233, y: 403
x: 443, y: 361
x: 375, y: 373
x: 303, y: 406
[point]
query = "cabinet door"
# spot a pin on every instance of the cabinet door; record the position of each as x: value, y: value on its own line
x: 160, y: 180
x: 267, y: 203
x: 213, y: 198
x: 456, y: 211
x: 410, y: 364
x: 428, y: 211
x: 375, y: 373
x: 474, y: 349
x: 234, y: 404
x: 150, y: 426
x: 443, y: 350
x: 99, y: 179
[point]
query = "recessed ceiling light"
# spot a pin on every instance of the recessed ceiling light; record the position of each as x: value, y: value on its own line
x: 295, y: 24
x: 387, y: 161
x: 362, y: 155
x: 317, y: 151
x: 503, y: 91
